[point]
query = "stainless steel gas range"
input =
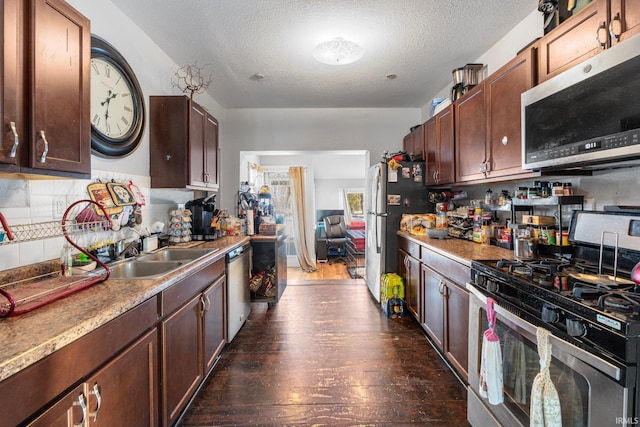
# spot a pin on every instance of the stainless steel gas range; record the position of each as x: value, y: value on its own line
x: 592, y: 309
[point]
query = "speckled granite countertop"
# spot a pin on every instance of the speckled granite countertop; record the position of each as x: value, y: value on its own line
x: 459, y: 250
x: 30, y: 337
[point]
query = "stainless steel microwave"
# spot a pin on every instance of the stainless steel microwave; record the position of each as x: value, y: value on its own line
x: 588, y: 116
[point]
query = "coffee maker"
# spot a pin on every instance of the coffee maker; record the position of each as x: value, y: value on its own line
x: 202, y: 212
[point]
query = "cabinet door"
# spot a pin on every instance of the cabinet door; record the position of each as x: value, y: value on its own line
x: 211, y: 152
x: 182, y: 365
x: 60, y: 131
x: 11, y: 66
x: 417, y: 143
x: 446, y: 131
x: 503, y: 89
x: 410, y: 271
x: 577, y: 39
x: 407, y: 143
x: 433, y: 305
x: 457, y: 327
x: 625, y: 15
x: 214, y: 327
x: 197, y: 120
x: 470, y: 135
x: 69, y: 411
x: 431, y: 151
x: 125, y: 392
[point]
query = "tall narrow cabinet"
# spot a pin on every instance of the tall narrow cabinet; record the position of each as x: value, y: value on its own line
x: 184, y: 144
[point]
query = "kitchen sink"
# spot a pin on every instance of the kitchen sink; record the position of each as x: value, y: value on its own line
x: 173, y: 254
x: 134, y: 269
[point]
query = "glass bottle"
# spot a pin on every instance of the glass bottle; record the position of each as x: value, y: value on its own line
x: 66, y: 260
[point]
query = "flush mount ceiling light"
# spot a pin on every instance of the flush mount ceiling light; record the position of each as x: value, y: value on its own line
x: 338, y: 52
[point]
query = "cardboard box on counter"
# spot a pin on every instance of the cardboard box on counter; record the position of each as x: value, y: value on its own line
x: 417, y: 224
x: 538, y: 220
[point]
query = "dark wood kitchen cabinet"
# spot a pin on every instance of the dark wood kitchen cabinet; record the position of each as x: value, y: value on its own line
x: 184, y: 144
x: 123, y: 393
x: 193, y: 334
x: 446, y: 308
x: 118, y: 361
x: 488, y: 123
x: 46, y: 127
x: 470, y: 124
x: 409, y: 266
x: 412, y: 144
x: 503, y: 114
x: 598, y: 26
x: 439, y: 148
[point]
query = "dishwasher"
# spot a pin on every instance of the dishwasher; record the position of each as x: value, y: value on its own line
x: 238, y: 297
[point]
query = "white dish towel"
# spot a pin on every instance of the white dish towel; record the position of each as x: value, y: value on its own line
x: 491, y: 381
x: 545, y: 404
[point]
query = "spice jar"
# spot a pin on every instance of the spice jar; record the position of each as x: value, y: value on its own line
x: 545, y: 190
x: 558, y: 189
x: 522, y: 192
x: 567, y: 189
x: 488, y: 197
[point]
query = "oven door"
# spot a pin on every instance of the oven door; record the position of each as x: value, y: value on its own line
x: 589, y: 387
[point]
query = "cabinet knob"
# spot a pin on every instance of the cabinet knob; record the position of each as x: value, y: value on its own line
x: 167, y: 157
x: 43, y: 157
x: 505, y: 140
x: 16, y: 140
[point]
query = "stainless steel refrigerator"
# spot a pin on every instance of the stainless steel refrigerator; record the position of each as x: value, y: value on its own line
x: 390, y: 193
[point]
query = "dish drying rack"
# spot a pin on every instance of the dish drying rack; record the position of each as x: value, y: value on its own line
x: 82, y: 220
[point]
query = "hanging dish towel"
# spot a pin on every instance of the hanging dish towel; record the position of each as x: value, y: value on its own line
x: 545, y: 404
x: 491, y: 381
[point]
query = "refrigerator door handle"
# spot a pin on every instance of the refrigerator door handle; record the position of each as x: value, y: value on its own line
x: 375, y: 208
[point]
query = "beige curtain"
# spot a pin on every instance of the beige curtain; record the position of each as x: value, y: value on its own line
x: 301, y: 239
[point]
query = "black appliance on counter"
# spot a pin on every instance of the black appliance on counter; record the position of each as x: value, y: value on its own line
x: 202, y: 212
x: 588, y: 303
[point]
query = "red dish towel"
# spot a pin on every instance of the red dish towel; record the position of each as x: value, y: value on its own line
x: 491, y: 381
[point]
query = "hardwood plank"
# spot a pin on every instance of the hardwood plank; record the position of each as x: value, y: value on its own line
x: 326, y: 355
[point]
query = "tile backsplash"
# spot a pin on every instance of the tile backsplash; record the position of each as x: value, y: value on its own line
x: 37, y: 201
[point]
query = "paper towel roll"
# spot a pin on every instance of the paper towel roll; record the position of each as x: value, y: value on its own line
x: 250, y: 227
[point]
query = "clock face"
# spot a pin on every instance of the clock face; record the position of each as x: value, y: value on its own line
x: 112, y: 98
x: 117, y: 106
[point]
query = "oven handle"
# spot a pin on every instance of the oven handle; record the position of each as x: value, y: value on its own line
x: 602, y: 365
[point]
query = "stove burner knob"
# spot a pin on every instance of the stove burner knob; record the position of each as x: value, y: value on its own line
x: 550, y: 314
x: 576, y: 328
x: 492, y: 286
x: 481, y: 280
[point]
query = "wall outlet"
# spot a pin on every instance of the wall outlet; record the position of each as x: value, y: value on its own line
x: 59, y: 206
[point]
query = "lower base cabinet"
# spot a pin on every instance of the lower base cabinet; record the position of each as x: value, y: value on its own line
x: 192, y: 338
x: 123, y: 393
x: 438, y: 303
x: 446, y: 318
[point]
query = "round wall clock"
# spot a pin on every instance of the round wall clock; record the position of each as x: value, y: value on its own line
x: 117, y: 103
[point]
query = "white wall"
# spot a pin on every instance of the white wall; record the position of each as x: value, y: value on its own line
x: 375, y: 130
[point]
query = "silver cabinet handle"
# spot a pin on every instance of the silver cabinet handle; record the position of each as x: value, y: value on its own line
x: 601, y: 34
x: 43, y: 158
x: 207, y: 303
x: 615, y: 27
x: 81, y: 402
x: 16, y: 140
x: 96, y: 393
x: 203, y: 306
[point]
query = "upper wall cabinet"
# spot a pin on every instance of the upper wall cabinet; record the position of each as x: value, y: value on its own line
x: 45, y: 102
x: 438, y: 148
x: 184, y: 144
x: 488, y: 122
x: 598, y: 26
x: 412, y: 144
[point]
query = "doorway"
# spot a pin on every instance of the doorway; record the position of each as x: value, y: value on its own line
x: 331, y: 175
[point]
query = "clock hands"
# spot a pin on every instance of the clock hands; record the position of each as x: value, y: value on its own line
x: 110, y: 96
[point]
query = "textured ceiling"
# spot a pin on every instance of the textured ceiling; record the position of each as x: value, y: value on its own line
x: 420, y: 41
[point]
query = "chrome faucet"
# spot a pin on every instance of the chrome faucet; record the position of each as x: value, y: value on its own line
x: 7, y: 230
x: 120, y: 251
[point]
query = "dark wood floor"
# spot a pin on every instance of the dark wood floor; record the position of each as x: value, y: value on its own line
x: 326, y: 355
